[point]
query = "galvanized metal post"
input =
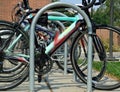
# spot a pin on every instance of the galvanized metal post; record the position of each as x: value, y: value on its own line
x: 89, y: 76
x: 65, y: 58
x: 61, y: 4
x: 31, y: 69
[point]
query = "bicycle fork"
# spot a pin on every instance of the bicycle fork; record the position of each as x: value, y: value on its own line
x: 99, y: 47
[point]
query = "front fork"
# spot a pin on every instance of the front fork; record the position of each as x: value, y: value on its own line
x: 99, y: 47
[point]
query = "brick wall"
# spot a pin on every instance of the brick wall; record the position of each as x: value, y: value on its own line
x: 104, y: 35
x: 6, y: 7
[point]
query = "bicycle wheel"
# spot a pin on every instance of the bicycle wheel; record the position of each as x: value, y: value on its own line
x: 7, y: 33
x: 110, y: 37
x: 110, y: 80
x: 5, y: 36
x: 11, y: 74
x: 79, y: 57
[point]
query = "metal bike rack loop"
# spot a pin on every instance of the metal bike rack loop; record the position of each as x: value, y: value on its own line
x: 47, y: 7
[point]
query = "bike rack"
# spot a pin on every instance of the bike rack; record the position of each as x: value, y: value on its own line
x: 49, y: 6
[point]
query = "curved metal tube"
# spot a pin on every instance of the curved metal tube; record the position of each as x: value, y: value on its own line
x: 55, y: 5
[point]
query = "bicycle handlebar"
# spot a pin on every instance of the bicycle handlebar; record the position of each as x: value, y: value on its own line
x: 99, y: 2
x: 89, y: 3
x: 26, y: 10
x: 84, y: 2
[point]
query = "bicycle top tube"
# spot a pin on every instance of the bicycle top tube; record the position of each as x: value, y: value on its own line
x: 62, y: 18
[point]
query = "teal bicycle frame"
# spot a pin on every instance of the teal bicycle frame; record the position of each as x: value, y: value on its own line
x: 58, y: 40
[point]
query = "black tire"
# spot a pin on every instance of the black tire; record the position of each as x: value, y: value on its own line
x: 6, y: 85
x: 110, y: 79
x: 11, y: 77
x: 7, y: 31
x: 79, y: 57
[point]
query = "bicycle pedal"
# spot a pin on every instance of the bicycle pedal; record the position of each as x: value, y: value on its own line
x: 39, y: 78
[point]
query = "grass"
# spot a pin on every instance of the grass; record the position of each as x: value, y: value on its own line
x: 112, y: 68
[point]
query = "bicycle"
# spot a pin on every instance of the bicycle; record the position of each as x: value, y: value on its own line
x: 58, y: 46
x: 34, y: 11
x: 110, y: 79
x: 16, y: 71
x: 100, y: 50
x: 7, y: 77
x: 10, y: 72
x: 101, y: 81
x: 19, y: 56
x: 20, y: 12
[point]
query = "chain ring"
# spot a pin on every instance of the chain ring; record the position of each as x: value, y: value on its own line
x: 43, y: 63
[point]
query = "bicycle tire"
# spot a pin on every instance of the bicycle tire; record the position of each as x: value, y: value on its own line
x: 13, y: 84
x: 8, y: 26
x: 11, y: 78
x: 79, y: 58
x: 110, y: 79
